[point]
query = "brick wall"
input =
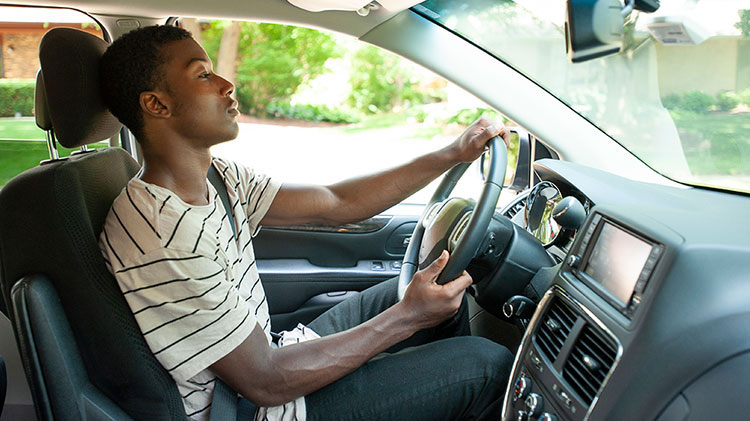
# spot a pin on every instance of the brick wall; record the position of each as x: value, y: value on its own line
x: 20, y: 46
x: 21, y: 55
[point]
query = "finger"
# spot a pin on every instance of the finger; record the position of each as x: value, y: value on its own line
x: 490, y: 132
x: 505, y: 134
x: 433, y: 270
x: 459, y: 284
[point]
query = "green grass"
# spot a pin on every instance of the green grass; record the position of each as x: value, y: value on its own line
x: 377, y: 121
x: 20, y: 128
x: 715, y: 143
x: 17, y: 156
x: 426, y: 132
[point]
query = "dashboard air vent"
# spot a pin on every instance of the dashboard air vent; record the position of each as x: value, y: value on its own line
x: 589, y: 362
x: 554, y: 329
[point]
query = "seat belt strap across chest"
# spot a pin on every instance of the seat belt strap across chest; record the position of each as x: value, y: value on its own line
x: 215, y: 178
x: 224, y: 402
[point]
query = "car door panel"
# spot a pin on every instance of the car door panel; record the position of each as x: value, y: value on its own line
x: 308, y: 269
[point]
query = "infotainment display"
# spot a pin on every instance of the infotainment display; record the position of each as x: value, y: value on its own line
x: 616, y: 261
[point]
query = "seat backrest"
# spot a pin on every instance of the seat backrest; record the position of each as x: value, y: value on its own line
x: 50, y: 220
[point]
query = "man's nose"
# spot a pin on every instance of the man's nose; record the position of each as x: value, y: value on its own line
x: 227, y: 87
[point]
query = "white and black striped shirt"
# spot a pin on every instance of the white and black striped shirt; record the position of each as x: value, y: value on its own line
x: 195, y: 291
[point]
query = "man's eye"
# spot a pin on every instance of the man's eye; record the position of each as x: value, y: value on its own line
x: 205, y: 75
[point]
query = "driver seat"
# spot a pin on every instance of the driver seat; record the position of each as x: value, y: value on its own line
x: 83, y: 353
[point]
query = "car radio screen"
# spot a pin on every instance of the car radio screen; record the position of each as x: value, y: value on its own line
x: 617, y: 260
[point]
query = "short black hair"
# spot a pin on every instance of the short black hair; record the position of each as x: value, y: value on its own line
x: 134, y: 64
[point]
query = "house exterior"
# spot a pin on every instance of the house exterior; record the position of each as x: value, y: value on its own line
x: 21, y: 31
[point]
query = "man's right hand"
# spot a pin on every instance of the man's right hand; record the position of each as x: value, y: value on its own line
x: 429, y: 303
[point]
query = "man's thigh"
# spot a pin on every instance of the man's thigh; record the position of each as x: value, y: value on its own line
x: 450, y: 379
x: 357, y: 310
x: 374, y: 301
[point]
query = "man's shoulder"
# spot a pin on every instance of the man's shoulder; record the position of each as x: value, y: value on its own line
x: 235, y: 175
x: 142, y: 217
x: 139, y: 200
x: 132, y: 221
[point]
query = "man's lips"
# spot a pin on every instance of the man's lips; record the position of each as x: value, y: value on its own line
x: 233, y: 109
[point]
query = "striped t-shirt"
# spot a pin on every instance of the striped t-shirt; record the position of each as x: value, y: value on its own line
x: 195, y: 291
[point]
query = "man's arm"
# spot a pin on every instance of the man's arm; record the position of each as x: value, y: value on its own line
x: 271, y: 377
x: 360, y: 198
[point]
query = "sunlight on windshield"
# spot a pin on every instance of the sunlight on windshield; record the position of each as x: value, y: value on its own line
x: 684, y: 109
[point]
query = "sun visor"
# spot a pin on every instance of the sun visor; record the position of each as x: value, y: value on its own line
x: 353, y: 5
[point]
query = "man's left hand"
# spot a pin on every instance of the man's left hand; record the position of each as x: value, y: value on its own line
x: 473, y: 140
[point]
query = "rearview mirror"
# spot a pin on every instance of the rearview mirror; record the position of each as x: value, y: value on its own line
x: 593, y: 28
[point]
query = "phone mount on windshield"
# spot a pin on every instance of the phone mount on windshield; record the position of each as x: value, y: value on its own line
x: 594, y: 28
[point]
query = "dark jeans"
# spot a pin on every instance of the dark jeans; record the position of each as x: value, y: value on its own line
x: 437, y: 374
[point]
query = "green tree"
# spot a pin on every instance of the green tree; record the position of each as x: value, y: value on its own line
x: 273, y: 60
x: 744, y: 23
x: 381, y: 80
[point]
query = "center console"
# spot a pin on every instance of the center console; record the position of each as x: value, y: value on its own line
x: 575, y: 339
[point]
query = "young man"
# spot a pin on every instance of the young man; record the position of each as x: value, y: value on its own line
x: 195, y: 291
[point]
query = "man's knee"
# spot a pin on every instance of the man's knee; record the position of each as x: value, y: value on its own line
x: 493, y: 360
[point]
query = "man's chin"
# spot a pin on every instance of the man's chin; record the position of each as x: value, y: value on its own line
x: 231, y: 135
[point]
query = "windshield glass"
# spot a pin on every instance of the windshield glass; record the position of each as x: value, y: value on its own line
x: 680, y: 104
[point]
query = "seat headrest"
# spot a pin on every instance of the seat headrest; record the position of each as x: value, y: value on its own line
x: 70, y: 69
x: 41, y: 111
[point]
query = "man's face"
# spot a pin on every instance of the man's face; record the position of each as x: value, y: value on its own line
x: 202, y: 108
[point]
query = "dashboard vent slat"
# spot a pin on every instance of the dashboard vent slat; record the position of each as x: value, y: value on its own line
x: 554, y: 329
x: 590, y: 360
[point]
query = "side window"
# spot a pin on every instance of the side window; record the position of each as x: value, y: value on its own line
x: 22, y: 143
x: 319, y: 107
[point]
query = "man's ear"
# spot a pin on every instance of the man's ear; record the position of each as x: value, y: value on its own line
x: 155, y: 104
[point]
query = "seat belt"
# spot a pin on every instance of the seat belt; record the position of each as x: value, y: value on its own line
x: 224, y: 404
x: 218, y: 182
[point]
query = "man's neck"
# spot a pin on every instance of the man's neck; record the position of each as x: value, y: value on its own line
x: 181, y: 170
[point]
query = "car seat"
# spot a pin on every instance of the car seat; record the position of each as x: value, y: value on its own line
x: 83, y: 353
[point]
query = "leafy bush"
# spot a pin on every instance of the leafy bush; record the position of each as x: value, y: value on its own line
x: 697, y: 102
x: 468, y: 115
x: 311, y: 113
x: 16, y: 96
x: 672, y: 101
x: 273, y: 60
x: 381, y: 81
x: 744, y: 97
x: 726, y: 101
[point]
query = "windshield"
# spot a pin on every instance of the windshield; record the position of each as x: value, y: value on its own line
x: 681, y: 104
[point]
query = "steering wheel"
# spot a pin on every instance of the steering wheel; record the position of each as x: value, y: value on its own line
x: 458, y: 225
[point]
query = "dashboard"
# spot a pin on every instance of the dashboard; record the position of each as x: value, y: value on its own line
x: 647, y: 315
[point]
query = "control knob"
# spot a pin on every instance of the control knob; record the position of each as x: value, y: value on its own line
x: 534, y: 404
x: 521, y: 387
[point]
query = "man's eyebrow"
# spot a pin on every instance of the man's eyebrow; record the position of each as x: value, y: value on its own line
x: 194, y: 59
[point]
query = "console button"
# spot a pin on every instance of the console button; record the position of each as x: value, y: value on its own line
x: 547, y: 417
x: 534, y: 404
x: 521, y: 387
x: 566, y: 399
x: 573, y: 261
x: 522, y: 415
